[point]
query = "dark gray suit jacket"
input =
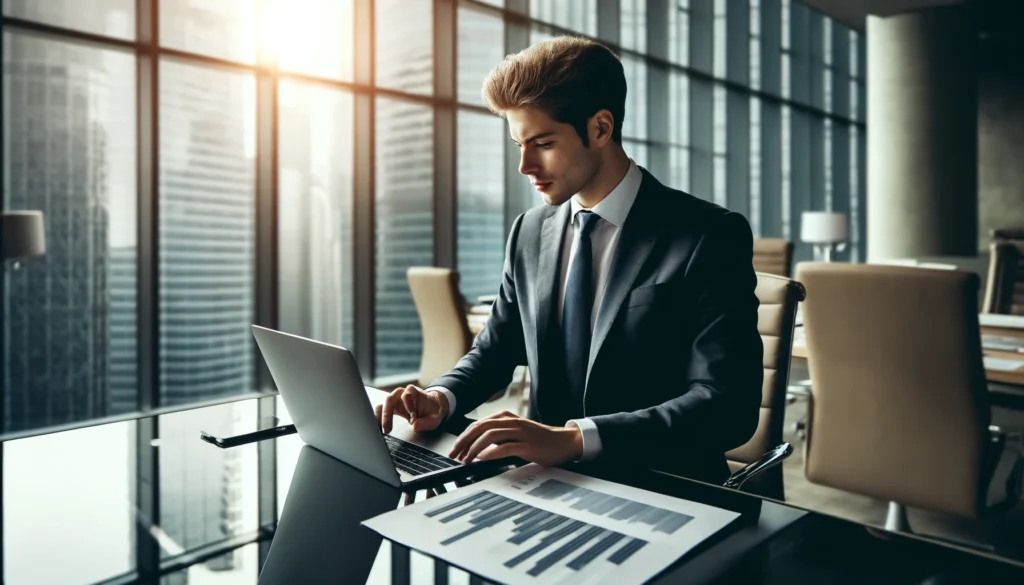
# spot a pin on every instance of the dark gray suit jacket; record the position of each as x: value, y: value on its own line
x: 675, y: 369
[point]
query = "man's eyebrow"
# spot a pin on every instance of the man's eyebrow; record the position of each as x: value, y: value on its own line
x: 535, y: 137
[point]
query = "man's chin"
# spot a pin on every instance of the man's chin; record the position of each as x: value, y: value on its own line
x: 555, y: 199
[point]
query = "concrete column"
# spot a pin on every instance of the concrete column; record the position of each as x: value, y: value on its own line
x: 922, y: 195
x: 1000, y: 136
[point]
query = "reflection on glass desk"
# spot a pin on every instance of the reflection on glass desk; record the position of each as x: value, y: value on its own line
x: 147, y: 501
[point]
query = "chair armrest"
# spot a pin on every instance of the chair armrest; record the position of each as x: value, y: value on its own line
x: 766, y: 461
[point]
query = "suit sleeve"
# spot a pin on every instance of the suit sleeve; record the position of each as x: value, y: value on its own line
x: 720, y: 393
x: 498, y: 349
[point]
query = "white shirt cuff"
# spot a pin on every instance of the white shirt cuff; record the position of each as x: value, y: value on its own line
x: 448, y: 395
x: 591, y: 438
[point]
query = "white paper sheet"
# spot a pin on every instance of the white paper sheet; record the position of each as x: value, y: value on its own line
x: 1001, y: 365
x: 544, y: 526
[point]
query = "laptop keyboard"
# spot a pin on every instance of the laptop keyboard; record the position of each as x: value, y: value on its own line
x: 416, y: 460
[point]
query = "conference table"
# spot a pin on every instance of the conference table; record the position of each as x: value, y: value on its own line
x: 146, y: 501
x: 1004, y: 369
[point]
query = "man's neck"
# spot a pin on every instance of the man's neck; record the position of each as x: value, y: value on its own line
x: 611, y: 173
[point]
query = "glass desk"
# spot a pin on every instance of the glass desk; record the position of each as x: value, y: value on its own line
x: 147, y: 501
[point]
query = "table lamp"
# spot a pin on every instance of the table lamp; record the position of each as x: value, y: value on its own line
x: 825, y: 230
x: 22, y: 235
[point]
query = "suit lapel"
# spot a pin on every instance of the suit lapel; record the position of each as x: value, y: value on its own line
x: 549, y: 271
x: 636, y: 241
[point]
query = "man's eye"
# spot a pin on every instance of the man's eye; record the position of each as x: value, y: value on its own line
x: 542, y: 144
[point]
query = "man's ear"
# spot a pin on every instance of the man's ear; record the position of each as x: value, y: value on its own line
x: 600, y: 128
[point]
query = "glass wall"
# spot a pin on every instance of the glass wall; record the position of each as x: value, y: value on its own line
x: 286, y: 162
x: 70, y: 152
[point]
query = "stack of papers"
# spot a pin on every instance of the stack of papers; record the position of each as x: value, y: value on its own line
x: 542, y: 525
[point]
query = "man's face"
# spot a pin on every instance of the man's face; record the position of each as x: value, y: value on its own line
x: 551, y: 154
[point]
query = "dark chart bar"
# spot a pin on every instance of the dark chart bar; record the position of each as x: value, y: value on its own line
x: 595, y: 551
x: 627, y: 551
x: 471, y: 498
x: 566, y: 549
x: 561, y: 539
x: 614, y: 507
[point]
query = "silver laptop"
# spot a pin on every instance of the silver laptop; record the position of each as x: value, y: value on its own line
x: 333, y: 411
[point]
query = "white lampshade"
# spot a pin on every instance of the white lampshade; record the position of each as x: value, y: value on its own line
x: 822, y: 227
x: 22, y: 234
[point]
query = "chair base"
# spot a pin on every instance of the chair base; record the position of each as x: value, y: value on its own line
x: 896, y: 520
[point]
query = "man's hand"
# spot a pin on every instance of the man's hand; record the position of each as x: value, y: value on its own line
x: 508, y: 435
x: 424, y: 410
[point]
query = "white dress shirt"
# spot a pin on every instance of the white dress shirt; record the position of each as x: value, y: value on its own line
x: 604, y: 239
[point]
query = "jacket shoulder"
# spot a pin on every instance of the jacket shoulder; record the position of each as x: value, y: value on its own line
x: 682, y: 208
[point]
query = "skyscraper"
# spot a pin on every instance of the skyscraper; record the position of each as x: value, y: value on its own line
x: 123, y: 377
x: 206, y: 235
x: 315, y: 212
x: 56, y: 309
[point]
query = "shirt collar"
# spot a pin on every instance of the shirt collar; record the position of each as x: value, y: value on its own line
x: 615, y: 207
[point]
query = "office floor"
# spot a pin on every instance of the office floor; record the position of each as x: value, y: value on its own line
x: 1001, y: 531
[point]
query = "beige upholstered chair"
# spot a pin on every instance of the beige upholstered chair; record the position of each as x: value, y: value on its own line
x: 773, y: 256
x: 442, y: 311
x: 1004, y: 290
x: 899, y: 409
x: 779, y: 298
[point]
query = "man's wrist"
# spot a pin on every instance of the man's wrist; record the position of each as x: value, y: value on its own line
x: 442, y: 402
x: 575, y: 441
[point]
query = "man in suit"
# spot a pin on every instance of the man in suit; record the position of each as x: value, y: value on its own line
x: 632, y: 303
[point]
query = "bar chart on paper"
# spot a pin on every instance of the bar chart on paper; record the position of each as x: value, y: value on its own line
x: 544, y: 526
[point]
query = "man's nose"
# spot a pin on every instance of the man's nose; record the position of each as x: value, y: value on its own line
x: 527, y: 164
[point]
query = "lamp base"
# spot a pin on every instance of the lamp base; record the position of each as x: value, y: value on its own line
x: 826, y: 251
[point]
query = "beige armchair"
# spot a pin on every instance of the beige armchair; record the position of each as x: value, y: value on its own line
x: 779, y: 298
x: 899, y: 409
x: 773, y: 256
x: 1004, y: 289
x: 442, y: 311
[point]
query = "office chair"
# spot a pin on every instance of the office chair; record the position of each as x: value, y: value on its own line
x: 776, y: 314
x: 442, y: 311
x: 899, y: 409
x: 773, y: 256
x: 446, y: 336
x: 1004, y: 287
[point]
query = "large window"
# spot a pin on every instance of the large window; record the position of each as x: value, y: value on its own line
x: 69, y: 151
x: 222, y: 28
x: 114, y: 18
x: 285, y: 162
x: 405, y: 227
x: 404, y: 50
x: 315, y: 212
x: 206, y: 242
x: 481, y: 47
x: 481, y: 200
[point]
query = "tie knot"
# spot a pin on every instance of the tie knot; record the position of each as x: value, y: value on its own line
x: 588, y: 220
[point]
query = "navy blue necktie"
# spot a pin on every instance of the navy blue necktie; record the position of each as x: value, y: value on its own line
x: 577, y: 310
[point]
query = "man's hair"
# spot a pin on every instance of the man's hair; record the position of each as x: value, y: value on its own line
x: 569, y: 78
